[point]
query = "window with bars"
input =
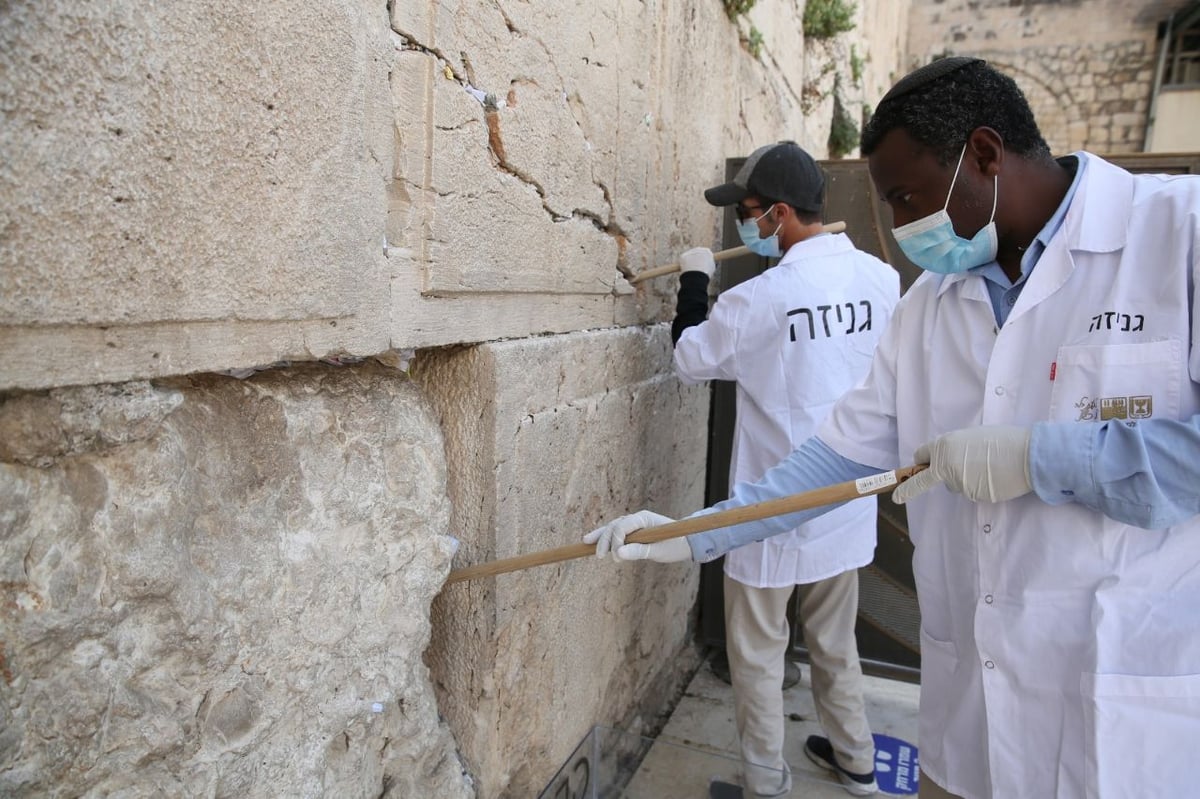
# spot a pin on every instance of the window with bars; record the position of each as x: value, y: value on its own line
x: 1182, y: 67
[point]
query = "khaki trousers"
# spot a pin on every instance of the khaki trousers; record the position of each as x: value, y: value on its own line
x: 757, y: 638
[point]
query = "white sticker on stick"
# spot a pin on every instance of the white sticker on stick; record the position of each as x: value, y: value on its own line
x: 869, y: 485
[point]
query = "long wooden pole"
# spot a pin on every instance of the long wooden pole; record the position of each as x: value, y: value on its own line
x: 840, y: 492
x: 722, y: 255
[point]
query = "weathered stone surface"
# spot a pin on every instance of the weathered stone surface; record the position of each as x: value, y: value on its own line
x: 547, y: 438
x: 231, y: 186
x: 209, y: 584
x: 1072, y: 60
x: 229, y: 171
x: 221, y: 588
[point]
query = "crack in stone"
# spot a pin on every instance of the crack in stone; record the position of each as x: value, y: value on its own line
x: 783, y: 76
x: 496, y: 141
x: 459, y: 126
x: 614, y: 229
x: 410, y: 42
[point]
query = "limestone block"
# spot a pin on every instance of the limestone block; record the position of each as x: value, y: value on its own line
x: 490, y: 229
x: 1133, y: 91
x: 434, y: 25
x: 1077, y: 132
x: 556, y: 78
x: 297, y: 183
x: 1128, y: 120
x: 222, y: 588
x: 168, y: 174
x: 547, y: 438
x: 884, y: 29
x: 781, y: 29
x: 585, y: 160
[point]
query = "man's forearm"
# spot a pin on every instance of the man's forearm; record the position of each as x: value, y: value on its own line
x: 812, y: 465
x: 1145, y: 474
x: 691, y: 306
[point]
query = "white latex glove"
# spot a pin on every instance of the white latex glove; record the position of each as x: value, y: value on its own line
x: 610, y: 539
x: 698, y: 259
x: 984, y: 464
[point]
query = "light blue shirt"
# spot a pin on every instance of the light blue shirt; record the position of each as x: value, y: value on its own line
x: 1142, y: 474
x: 1002, y: 291
x: 813, y: 465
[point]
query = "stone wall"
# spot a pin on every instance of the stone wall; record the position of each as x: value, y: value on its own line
x: 222, y: 588
x: 1086, y: 66
x: 525, y: 663
x: 225, y: 587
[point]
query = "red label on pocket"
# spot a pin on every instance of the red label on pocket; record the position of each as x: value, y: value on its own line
x: 1053, y: 370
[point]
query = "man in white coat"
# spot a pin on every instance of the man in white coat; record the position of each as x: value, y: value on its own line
x: 1048, y: 370
x: 794, y: 339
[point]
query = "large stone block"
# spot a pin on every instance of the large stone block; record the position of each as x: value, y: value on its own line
x: 547, y: 438
x: 1087, y: 56
x: 221, y: 588
x: 190, y: 188
x: 292, y: 183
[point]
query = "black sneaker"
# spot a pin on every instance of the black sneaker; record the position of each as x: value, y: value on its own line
x: 820, y: 751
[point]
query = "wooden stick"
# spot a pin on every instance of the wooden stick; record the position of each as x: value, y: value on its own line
x: 840, y: 492
x: 722, y: 255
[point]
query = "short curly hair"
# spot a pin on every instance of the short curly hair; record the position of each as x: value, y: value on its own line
x: 942, y: 102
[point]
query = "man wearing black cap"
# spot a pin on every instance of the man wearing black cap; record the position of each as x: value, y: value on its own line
x: 794, y: 339
x: 1047, y: 369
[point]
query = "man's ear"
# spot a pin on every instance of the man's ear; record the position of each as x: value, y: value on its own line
x: 985, y: 148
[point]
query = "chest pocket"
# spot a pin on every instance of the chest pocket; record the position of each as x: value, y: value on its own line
x: 1123, y: 382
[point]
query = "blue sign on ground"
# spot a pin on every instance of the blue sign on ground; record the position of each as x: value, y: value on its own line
x: 896, y: 765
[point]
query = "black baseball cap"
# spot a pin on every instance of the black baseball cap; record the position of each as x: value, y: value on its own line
x: 783, y: 172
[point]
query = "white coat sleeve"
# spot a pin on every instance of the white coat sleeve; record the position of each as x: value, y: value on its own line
x: 708, y: 351
x: 862, y: 425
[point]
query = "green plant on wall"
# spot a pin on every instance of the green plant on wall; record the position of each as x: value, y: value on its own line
x: 754, y: 42
x: 858, y: 66
x: 843, y: 132
x: 824, y: 19
x: 811, y: 94
x: 735, y: 7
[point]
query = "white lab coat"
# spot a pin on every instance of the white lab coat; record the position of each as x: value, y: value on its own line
x: 795, y: 338
x: 1060, y: 649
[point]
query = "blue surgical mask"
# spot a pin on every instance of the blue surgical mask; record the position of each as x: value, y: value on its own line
x: 748, y: 231
x: 931, y: 243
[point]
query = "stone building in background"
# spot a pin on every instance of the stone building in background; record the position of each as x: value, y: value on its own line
x: 1096, y: 72
x: 292, y: 295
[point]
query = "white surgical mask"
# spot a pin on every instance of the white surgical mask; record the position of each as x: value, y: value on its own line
x: 748, y: 232
x: 931, y: 243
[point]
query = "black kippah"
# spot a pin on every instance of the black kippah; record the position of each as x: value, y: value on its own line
x: 927, y: 74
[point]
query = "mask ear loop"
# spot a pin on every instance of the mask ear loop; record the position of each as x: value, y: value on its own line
x: 778, y: 227
x: 995, y: 196
x: 954, y: 179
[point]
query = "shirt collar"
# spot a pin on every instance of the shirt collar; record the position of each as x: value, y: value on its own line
x: 993, y: 272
